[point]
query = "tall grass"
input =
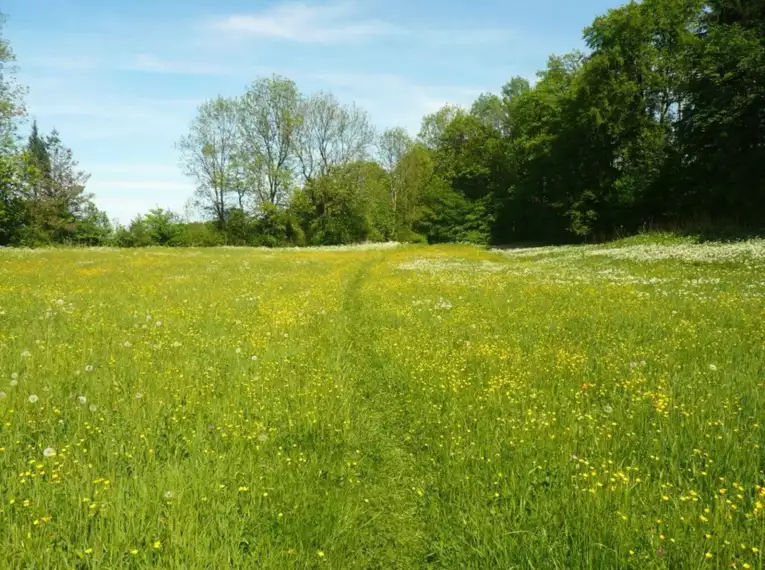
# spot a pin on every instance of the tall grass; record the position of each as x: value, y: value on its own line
x: 406, y: 407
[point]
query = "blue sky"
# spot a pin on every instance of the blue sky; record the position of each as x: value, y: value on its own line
x: 122, y: 80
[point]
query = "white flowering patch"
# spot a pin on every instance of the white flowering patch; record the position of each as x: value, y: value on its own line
x: 369, y: 246
x: 713, y: 252
x: 697, y: 253
x: 431, y: 265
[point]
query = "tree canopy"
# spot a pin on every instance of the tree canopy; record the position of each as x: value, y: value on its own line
x: 661, y: 121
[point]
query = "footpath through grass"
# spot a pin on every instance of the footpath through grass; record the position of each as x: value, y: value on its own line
x: 410, y: 407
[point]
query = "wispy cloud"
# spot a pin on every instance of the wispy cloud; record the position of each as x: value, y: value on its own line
x: 295, y: 21
x: 342, y: 22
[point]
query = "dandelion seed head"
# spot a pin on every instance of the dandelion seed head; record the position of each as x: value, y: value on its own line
x: 82, y: 399
x: 33, y: 398
x: 49, y: 452
x: 89, y: 368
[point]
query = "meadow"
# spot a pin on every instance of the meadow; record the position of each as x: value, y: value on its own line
x: 384, y: 407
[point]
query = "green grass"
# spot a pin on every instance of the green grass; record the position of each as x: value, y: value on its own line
x: 411, y: 407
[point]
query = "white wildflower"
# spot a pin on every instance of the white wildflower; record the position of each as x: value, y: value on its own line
x: 92, y: 407
x: 138, y: 396
x: 127, y: 344
x: 608, y: 409
x: 26, y: 354
x: 254, y: 357
x: 33, y: 398
x: 49, y: 452
x: 83, y: 400
x: 89, y: 368
x: 14, y: 375
x: 14, y: 383
x: 713, y: 368
x: 169, y: 495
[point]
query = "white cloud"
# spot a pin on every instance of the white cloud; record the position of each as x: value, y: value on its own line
x: 299, y: 22
x: 339, y: 22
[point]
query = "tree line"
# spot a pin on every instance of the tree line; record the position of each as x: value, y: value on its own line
x: 660, y: 122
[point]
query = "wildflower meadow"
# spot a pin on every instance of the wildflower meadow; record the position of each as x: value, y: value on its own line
x: 390, y: 407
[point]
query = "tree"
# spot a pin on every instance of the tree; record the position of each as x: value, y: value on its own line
x: 53, y: 190
x: 348, y: 204
x: 39, y: 170
x: 162, y: 226
x: 331, y: 135
x: 489, y: 108
x: 413, y: 173
x: 211, y: 153
x: 11, y: 93
x: 393, y: 146
x: 471, y: 161
x: 269, y: 124
x: 13, y: 210
x: 434, y: 125
x: 12, y: 206
x: 722, y: 129
x: 93, y: 227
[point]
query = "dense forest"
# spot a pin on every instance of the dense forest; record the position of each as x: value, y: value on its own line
x: 661, y: 122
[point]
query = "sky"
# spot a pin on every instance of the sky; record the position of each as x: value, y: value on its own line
x: 121, y: 81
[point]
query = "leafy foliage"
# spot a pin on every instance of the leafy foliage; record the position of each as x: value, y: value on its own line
x: 660, y: 122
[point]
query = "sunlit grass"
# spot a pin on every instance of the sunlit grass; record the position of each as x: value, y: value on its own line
x: 396, y: 407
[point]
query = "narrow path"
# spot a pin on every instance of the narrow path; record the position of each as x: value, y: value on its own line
x: 394, y: 528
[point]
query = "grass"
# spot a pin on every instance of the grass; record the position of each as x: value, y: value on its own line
x: 410, y: 407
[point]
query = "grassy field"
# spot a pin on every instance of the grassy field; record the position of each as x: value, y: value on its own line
x: 392, y: 407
